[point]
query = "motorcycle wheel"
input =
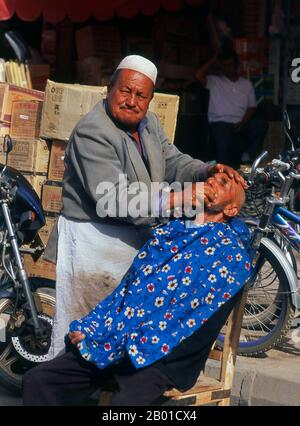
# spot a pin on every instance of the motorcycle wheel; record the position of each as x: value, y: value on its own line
x: 20, y: 353
x: 269, y: 311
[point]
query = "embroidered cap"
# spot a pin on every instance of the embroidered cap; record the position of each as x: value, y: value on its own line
x: 140, y: 64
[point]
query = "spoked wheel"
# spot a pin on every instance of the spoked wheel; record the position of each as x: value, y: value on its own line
x: 21, y: 351
x: 269, y: 311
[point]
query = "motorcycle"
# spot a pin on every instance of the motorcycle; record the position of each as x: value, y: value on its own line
x: 26, y: 305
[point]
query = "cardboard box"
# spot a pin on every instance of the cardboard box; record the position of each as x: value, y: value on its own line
x: 10, y: 93
x: 252, y: 53
x: 29, y: 155
x: 45, y: 232
x: 39, y: 74
x: 176, y: 72
x: 140, y: 46
x: 166, y: 108
x: 52, y: 197
x: 93, y: 71
x: 64, y: 105
x: 40, y: 268
x: 96, y: 40
x: 2, y: 155
x: 49, y: 44
x: 89, y: 71
x: 173, y: 27
x: 4, y: 129
x: 37, y: 182
x: 194, y: 55
x: 170, y: 53
x: 56, y: 164
x: 26, y: 119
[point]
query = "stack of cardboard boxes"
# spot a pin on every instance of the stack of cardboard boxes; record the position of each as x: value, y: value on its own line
x: 21, y: 111
x: 63, y: 107
x: 175, y: 45
x: 98, y: 53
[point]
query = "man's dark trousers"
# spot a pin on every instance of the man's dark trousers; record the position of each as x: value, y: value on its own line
x: 70, y: 380
x: 229, y: 145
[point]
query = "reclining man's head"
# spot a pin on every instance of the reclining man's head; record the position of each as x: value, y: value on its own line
x: 230, y: 197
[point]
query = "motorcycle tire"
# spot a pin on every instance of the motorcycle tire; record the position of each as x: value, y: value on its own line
x: 15, y: 359
x: 266, y: 326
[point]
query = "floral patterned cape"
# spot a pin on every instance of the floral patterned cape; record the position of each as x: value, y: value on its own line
x: 178, y: 280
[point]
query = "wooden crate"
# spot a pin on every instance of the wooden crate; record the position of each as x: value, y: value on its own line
x: 37, y: 182
x: 52, y: 197
x: 30, y: 155
x: 45, y: 232
x: 56, y: 164
x: 9, y: 93
x: 40, y: 268
x: 26, y: 119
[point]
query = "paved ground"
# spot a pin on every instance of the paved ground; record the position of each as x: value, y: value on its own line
x: 273, y: 379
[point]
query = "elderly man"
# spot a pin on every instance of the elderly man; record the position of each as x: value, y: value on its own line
x: 118, y: 143
x: 156, y: 329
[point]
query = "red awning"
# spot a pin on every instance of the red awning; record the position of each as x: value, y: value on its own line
x: 80, y: 10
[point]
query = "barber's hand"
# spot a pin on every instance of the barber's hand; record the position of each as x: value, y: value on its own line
x: 230, y: 172
x: 193, y: 197
x: 76, y: 337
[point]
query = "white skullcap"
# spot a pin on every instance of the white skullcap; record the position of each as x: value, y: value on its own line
x: 139, y: 64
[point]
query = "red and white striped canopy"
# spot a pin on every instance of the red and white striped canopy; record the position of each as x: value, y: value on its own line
x: 81, y: 10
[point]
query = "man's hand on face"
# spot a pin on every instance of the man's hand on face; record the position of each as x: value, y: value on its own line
x: 76, y: 337
x: 230, y: 172
x: 193, y: 197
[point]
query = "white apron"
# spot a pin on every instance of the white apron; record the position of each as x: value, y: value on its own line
x: 92, y: 258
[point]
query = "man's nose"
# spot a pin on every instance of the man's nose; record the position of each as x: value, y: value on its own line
x: 131, y: 100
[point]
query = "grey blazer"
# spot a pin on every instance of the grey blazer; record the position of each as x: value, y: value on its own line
x: 99, y: 150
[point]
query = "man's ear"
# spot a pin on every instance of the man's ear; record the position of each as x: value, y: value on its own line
x: 231, y: 210
x: 152, y: 94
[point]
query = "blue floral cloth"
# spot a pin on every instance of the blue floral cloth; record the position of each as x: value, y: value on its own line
x: 180, y: 277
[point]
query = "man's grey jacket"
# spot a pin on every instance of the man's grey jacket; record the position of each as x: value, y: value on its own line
x: 100, y: 151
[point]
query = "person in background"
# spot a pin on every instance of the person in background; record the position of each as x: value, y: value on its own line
x: 236, y: 134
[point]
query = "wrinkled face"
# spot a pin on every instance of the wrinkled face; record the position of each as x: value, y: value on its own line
x: 128, y: 99
x: 227, y: 190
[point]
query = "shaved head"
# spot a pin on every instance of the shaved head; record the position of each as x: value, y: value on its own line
x: 230, y: 195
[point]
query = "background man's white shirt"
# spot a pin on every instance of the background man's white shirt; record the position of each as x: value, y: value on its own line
x: 229, y: 100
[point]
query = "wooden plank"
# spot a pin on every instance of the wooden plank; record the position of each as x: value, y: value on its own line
x: 105, y: 399
x: 204, y: 384
x: 232, y: 341
x: 215, y: 355
x: 206, y: 397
